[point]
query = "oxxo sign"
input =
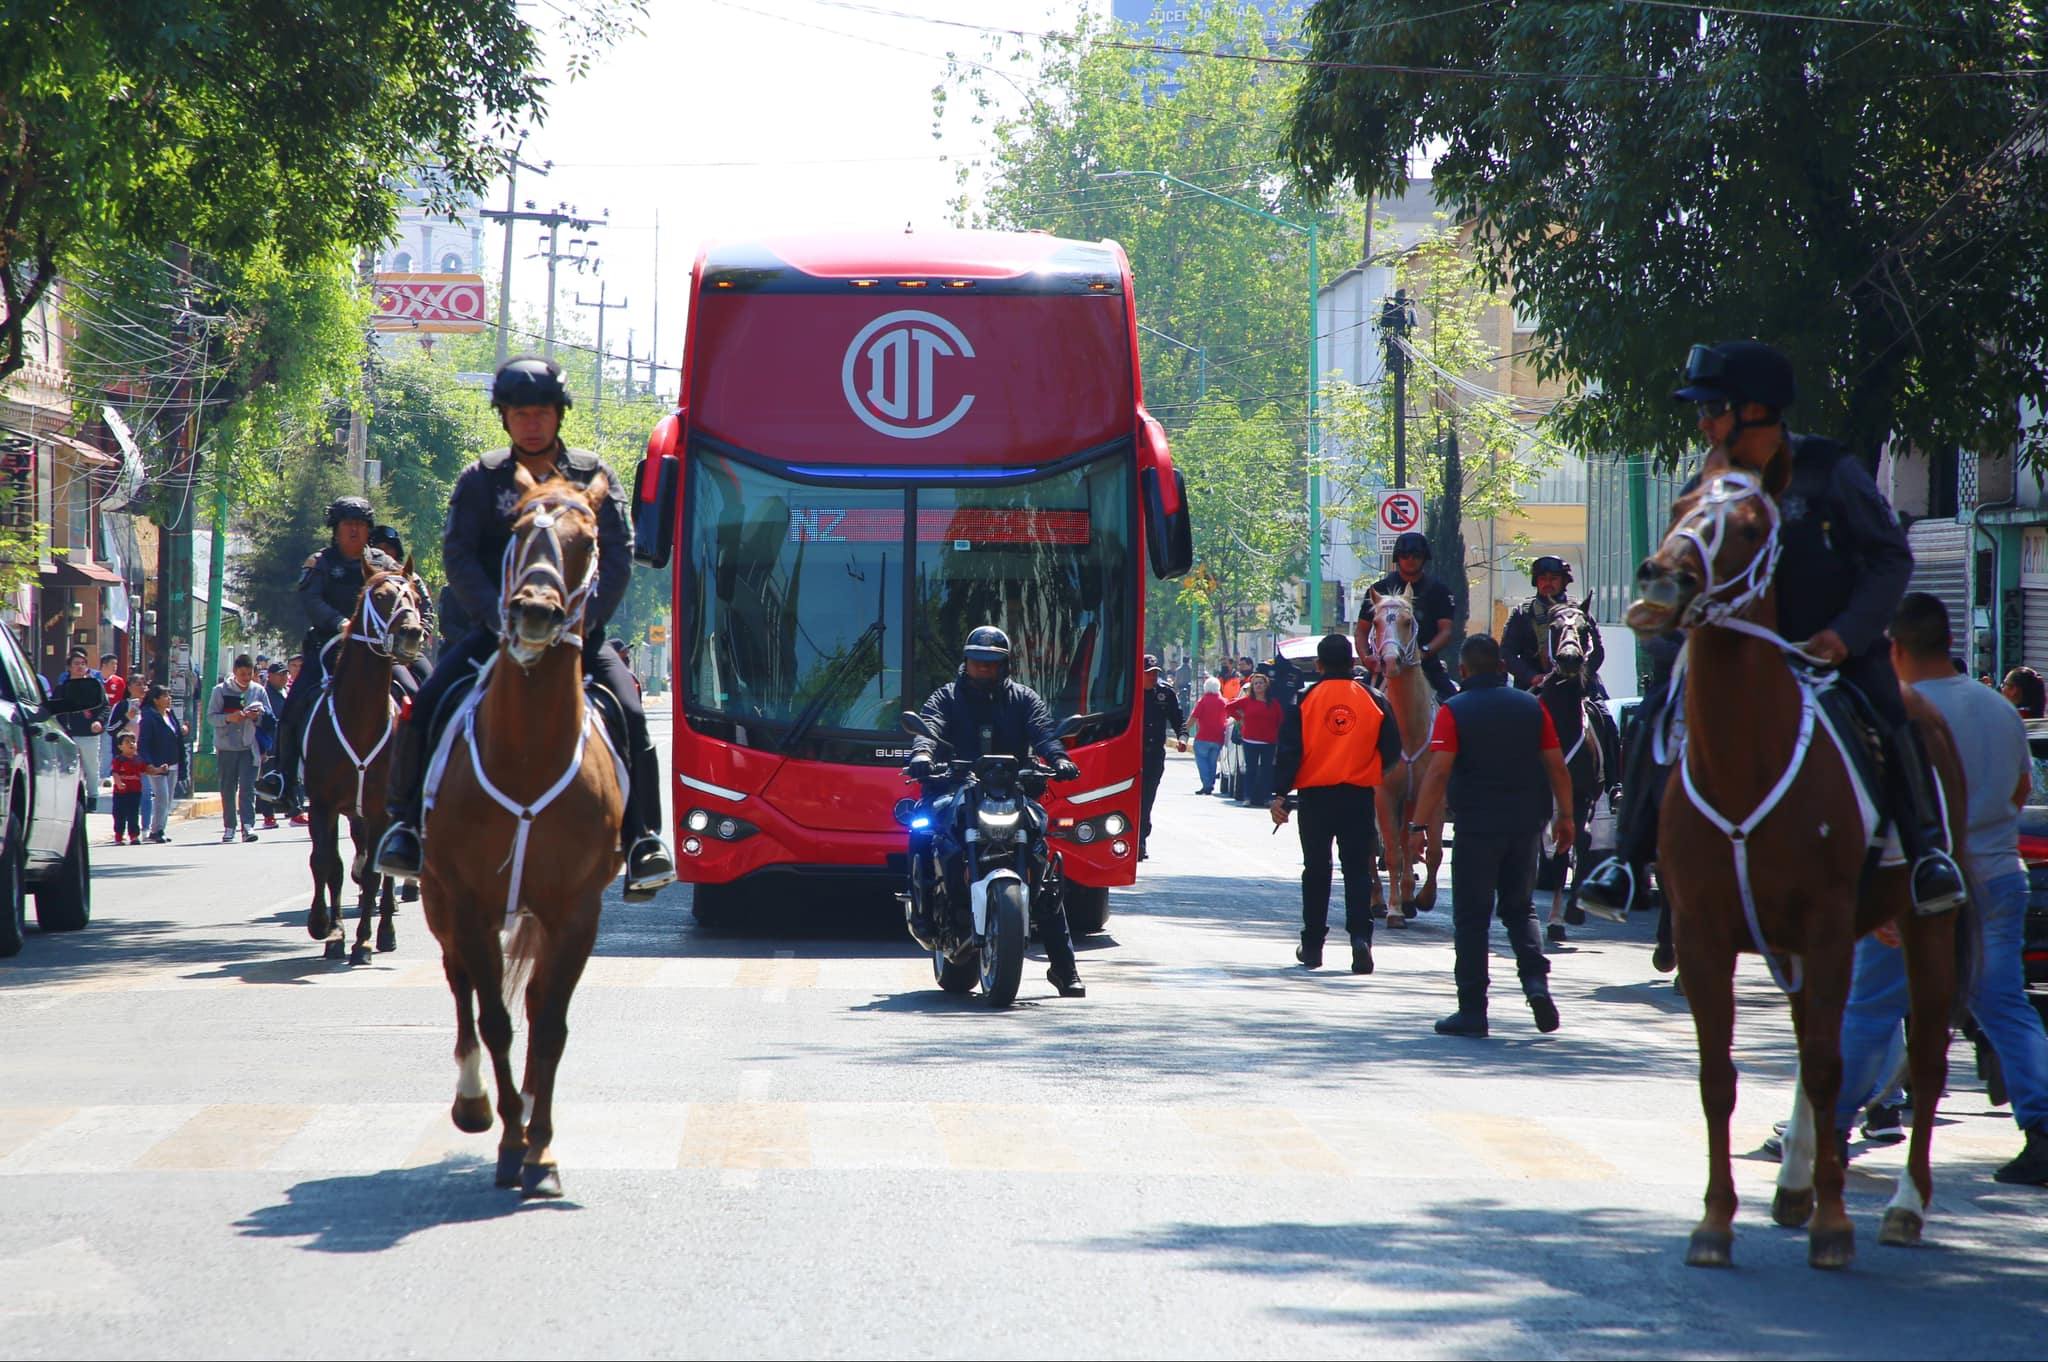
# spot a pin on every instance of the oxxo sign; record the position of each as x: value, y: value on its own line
x: 1400, y: 511
x: 894, y: 380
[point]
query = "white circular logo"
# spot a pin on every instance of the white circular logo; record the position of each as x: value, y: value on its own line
x: 900, y: 350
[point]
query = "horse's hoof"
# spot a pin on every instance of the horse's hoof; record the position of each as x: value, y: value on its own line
x: 1711, y: 1248
x: 409, y: 892
x: 1792, y: 1208
x: 1663, y: 959
x: 1398, y: 920
x: 1901, y: 1228
x: 387, y: 938
x: 510, y: 1161
x: 1426, y: 900
x: 540, y: 1180
x: 1831, y: 1249
x: 316, y: 924
x: 1554, y: 933
x: 337, y: 949
x: 1410, y: 907
x: 360, y: 953
x: 472, y: 1116
x: 1574, y: 916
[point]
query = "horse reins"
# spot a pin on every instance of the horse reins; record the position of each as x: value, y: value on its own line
x: 541, y: 560
x: 376, y: 635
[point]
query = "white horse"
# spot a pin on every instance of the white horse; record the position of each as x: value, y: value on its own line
x: 1397, y: 649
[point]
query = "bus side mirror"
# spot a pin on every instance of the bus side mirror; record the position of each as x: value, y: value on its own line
x: 1169, y: 526
x: 655, y: 484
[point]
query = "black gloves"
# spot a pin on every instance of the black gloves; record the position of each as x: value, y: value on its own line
x: 1064, y: 769
x: 920, y: 767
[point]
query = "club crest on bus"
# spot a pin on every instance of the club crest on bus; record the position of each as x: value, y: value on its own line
x: 891, y: 371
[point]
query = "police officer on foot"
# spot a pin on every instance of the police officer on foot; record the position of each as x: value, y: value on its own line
x: 1336, y: 747
x: 1162, y: 714
x: 1843, y: 565
x: 982, y: 712
x: 1500, y: 761
x: 530, y: 400
x: 1434, y: 610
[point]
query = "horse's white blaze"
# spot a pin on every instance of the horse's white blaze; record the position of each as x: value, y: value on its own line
x: 1795, y: 1164
x: 470, y: 1082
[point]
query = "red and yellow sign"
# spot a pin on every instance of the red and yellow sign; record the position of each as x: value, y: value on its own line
x: 429, y: 302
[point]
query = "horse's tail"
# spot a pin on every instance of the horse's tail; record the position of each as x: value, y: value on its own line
x: 523, y: 945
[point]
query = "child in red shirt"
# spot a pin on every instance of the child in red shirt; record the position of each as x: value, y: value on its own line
x: 128, y: 773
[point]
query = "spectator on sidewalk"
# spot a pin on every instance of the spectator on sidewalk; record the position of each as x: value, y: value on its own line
x: 1258, y: 721
x: 1162, y: 712
x: 129, y: 774
x: 1337, y: 747
x: 1208, y: 722
x: 1991, y: 741
x: 117, y: 690
x: 236, y: 710
x: 85, y: 726
x: 266, y: 733
x: 1498, y: 758
x: 2025, y: 689
x: 161, y: 745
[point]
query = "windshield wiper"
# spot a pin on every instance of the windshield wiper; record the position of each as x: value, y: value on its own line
x: 808, y: 718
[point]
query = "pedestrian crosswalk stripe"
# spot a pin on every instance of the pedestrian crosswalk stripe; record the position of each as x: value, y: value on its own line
x: 752, y: 1136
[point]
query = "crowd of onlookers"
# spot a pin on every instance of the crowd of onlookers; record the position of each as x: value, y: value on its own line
x: 1234, y: 711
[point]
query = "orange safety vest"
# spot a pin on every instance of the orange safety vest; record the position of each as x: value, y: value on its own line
x: 1340, y: 735
x: 1231, y: 687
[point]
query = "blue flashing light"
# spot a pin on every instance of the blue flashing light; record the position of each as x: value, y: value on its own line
x: 920, y: 822
x: 913, y: 474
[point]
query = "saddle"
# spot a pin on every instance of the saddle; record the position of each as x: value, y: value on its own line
x: 608, y: 707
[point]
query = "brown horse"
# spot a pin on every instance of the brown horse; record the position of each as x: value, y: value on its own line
x: 348, y: 751
x: 1764, y: 845
x: 1396, y: 648
x: 527, y: 765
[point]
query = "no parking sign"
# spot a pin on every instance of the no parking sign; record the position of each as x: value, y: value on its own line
x: 1400, y: 511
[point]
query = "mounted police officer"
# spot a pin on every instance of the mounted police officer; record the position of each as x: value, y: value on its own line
x: 386, y: 540
x: 1843, y: 565
x: 982, y: 711
x: 329, y: 586
x: 1525, y: 646
x: 1435, y: 611
x: 530, y: 398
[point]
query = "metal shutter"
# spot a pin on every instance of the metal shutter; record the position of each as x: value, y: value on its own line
x: 2034, y: 630
x: 1941, y: 568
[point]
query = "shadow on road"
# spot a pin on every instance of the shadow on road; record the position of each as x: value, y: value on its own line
x: 1454, y: 1278
x: 372, y: 1212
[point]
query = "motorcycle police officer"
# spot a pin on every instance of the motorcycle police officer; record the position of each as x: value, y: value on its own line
x: 1843, y: 565
x: 329, y: 586
x: 531, y: 399
x: 1435, y: 611
x: 982, y: 711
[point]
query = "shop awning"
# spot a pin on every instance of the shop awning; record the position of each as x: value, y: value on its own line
x: 87, y: 573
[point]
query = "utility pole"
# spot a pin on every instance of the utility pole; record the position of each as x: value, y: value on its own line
x: 654, y: 342
x: 513, y: 165
x: 554, y: 220
x: 597, y: 402
x: 1397, y: 318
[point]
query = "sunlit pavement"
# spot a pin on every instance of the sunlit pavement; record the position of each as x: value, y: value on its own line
x: 786, y: 1141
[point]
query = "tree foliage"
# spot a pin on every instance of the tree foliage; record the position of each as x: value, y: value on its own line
x: 1250, y: 518
x: 1860, y: 183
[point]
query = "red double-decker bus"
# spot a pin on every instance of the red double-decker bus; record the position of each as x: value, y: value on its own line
x: 884, y: 441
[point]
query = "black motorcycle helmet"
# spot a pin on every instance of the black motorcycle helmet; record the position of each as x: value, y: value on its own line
x: 1739, y: 371
x: 1550, y: 562
x: 350, y: 508
x: 529, y: 381
x: 1412, y: 541
x: 987, y: 644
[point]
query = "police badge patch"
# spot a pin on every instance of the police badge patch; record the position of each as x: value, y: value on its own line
x: 508, y: 502
x: 1792, y: 507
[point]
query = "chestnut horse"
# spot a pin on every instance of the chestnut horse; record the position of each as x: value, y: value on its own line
x: 1397, y: 650
x: 526, y: 767
x: 1764, y: 845
x: 348, y: 752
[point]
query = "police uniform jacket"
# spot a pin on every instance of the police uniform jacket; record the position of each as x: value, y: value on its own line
x: 1525, y: 636
x: 1162, y: 712
x: 480, y: 526
x: 330, y: 584
x: 1013, y: 719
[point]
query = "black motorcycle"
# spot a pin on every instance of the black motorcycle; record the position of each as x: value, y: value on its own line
x: 979, y: 860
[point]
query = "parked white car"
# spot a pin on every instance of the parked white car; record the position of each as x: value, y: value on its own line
x: 42, y: 801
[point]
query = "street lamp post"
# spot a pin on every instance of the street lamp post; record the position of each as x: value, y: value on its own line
x: 1315, y: 495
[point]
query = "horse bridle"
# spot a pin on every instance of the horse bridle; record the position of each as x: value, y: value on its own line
x: 1409, y: 653
x: 375, y: 630
x: 1558, y: 614
x: 1706, y: 526
x: 540, y: 560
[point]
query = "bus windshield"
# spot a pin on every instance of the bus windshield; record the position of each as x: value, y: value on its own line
x: 796, y: 592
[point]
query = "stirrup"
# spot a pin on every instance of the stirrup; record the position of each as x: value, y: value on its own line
x: 271, y: 787
x: 1943, y: 898
x: 660, y: 871
x: 1588, y: 892
x: 388, y: 853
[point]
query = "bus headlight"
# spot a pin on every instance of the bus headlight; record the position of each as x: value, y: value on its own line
x: 728, y: 828
x: 698, y: 820
x: 1115, y: 825
x: 1084, y: 832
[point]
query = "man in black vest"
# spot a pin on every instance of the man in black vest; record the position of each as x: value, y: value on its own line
x: 1497, y: 754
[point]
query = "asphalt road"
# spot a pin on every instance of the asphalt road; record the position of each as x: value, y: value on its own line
x: 785, y: 1141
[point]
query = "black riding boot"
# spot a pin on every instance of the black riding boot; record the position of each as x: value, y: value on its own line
x: 1937, y: 881
x: 1064, y: 974
x: 278, y: 783
x: 649, y: 863
x: 400, y: 854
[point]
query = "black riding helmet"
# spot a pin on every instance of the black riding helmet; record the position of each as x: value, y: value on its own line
x: 529, y: 381
x: 1550, y: 562
x: 385, y: 537
x: 1412, y: 541
x: 350, y: 508
x: 1739, y: 371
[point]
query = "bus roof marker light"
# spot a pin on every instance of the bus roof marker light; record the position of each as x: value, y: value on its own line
x: 863, y: 283
x: 959, y: 283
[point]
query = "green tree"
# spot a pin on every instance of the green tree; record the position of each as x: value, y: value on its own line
x: 1250, y: 521
x: 1859, y: 183
x: 281, y: 535
x: 1500, y: 454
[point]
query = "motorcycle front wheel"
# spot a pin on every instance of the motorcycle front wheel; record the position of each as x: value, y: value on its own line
x: 955, y: 976
x: 1002, y: 954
